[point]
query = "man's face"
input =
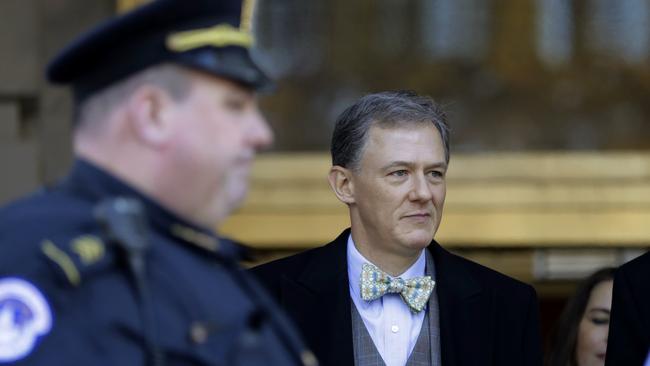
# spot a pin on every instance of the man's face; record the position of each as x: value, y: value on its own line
x: 218, y: 132
x: 399, y: 189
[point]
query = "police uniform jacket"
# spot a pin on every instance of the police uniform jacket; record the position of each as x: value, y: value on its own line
x: 72, y: 294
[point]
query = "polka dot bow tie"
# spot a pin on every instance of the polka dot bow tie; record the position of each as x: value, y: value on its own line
x: 376, y: 283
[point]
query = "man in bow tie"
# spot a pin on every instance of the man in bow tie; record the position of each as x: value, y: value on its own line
x: 384, y: 292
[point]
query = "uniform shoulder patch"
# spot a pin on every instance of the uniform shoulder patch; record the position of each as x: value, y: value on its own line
x: 25, y: 317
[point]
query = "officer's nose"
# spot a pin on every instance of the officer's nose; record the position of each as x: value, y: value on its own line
x: 260, y: 134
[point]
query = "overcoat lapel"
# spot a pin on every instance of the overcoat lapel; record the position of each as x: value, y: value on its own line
x: 320, y: 299
x: 464, y: 310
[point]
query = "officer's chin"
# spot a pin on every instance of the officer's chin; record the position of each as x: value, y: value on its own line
x: 237, y: 197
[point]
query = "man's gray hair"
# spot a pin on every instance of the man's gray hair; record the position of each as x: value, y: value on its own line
x: 387, y: 110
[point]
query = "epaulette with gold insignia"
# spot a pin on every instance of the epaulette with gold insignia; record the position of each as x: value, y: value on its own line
x: 76, y: 258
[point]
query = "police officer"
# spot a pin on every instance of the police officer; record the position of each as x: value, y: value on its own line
x: 117, y: 264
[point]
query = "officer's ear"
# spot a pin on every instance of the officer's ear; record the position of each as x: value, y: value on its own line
x: 342, y: 184
x: 149, y: 111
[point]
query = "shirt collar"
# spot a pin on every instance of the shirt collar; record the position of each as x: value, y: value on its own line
x: 356, y: 261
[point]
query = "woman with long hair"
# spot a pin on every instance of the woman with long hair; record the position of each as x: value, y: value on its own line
x: 580, y: 337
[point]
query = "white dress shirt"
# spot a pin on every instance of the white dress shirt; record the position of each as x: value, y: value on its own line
x: 394, y: 329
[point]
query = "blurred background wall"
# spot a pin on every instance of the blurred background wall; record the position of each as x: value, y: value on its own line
x: 516, y: 74
x: 35, y: 118
x: 549, y: 102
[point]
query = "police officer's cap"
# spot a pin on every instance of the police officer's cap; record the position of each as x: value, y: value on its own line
x: 213, y: 36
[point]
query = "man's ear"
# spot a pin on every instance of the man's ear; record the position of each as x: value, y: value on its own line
x: 340, y: 180
x: 149, y: 115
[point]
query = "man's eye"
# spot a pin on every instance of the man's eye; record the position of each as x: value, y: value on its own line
x: 399, y: 173
x: 235, y: 104
x: 436, y: 174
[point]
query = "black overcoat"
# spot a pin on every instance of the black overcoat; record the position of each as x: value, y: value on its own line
x: 486, y: 318
x: 628, y: 342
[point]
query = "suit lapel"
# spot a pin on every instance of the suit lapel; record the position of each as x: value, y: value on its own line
x: 320, y: 302
x: 464, y: 309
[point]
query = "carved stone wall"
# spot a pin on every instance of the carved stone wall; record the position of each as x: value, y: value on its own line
x: 35, y: 117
